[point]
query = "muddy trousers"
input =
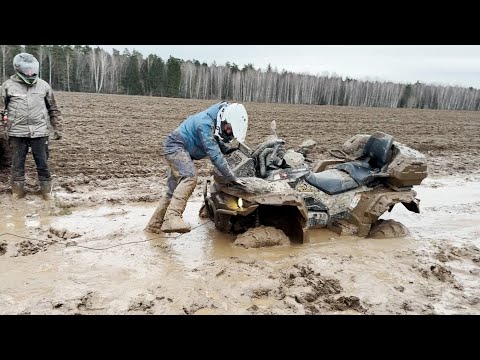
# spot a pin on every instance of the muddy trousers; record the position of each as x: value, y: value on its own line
x: 181, y: 182
x: 19, y: 150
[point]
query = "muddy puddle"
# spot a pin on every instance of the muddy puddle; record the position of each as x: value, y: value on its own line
x: 99, y: 260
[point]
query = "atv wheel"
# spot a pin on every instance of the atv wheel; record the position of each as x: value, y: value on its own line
x: 209, y: 208
x: 387, y: 229
x: 222, y: 222
x: 262, y: 236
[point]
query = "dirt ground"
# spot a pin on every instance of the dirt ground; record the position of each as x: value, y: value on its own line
x: 109, y: 172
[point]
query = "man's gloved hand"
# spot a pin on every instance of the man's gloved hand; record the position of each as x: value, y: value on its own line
x: 234, y: 144
x: 236, y: 182
x: 239, y: 182
x: 57, y: 135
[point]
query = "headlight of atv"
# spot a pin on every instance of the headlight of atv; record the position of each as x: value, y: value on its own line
x: 234, y: 203
x: 231, y: 202
x: 243, y: 204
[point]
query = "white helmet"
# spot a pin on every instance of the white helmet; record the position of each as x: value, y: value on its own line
x: 26, y: 64
x: 235, y: 115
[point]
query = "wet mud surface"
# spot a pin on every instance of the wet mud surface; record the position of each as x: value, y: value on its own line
x: 85, y: 251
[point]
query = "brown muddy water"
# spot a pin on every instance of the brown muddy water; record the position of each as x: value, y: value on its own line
x: 98, y: 260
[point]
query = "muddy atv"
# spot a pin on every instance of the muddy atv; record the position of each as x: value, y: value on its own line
x: 348, y: 194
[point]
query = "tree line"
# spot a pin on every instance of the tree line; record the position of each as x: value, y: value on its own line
x: 82, y: 68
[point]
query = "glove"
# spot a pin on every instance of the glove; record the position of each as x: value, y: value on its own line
x: 234, y: 144
x: 57, y: 135
x: 239, y: 182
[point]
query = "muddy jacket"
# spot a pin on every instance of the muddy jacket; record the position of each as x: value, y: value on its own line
x: 197, y: 134
x: 30, y: 109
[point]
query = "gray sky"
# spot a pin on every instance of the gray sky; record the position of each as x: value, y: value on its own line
x: 434, y: 64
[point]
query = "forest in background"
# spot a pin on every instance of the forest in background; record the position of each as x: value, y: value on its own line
x: 82, y: 68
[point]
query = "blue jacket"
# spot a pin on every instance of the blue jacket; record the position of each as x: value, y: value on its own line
x: 197, y: 132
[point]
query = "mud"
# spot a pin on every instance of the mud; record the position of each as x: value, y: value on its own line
x: 315, y: 292
x: 27, y: 247
x: 85, y: 251
x: 262, y: 236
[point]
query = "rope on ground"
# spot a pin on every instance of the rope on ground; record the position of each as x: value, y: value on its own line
x: 105, y: 248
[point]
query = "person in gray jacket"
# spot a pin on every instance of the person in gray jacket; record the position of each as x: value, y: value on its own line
x: 29, y: 112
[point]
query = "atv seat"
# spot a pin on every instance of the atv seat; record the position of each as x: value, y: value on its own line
x: 360, y: 171
x: 349, y: 175
x: 376, y: 154
x: 331, y: 181
x: 378, y: 150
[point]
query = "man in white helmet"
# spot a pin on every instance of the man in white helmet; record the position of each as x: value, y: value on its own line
x: 204, y: 134
x: 28, y: 111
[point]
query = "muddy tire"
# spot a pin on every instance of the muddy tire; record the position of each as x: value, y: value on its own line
x: 222, y: 222
x: 387, y: 229
x: 262, y: 236
x: 209, y: 208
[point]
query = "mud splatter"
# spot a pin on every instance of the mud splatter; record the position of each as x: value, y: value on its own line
x: 63, y: 233
x: 86, y: 302
x: 142, y: 302
x: 441, y: 273
x: 316, y: 292
x: 28, y: 247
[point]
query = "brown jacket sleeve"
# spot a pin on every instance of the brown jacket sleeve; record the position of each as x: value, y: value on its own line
x: 53, y: 111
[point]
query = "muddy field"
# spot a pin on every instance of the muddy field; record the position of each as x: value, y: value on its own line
x: 85, y: 251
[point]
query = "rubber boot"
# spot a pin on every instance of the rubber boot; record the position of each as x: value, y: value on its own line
x: 173, y: 221
x: 45, y: 189
x: 156, y: 221
x: 18, y: 189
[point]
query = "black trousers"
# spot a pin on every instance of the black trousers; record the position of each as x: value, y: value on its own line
x: 19, y: 149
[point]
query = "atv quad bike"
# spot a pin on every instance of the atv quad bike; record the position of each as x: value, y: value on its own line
x: 368, y: 176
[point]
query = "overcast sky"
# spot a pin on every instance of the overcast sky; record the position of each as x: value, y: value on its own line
x: 434, y: 64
